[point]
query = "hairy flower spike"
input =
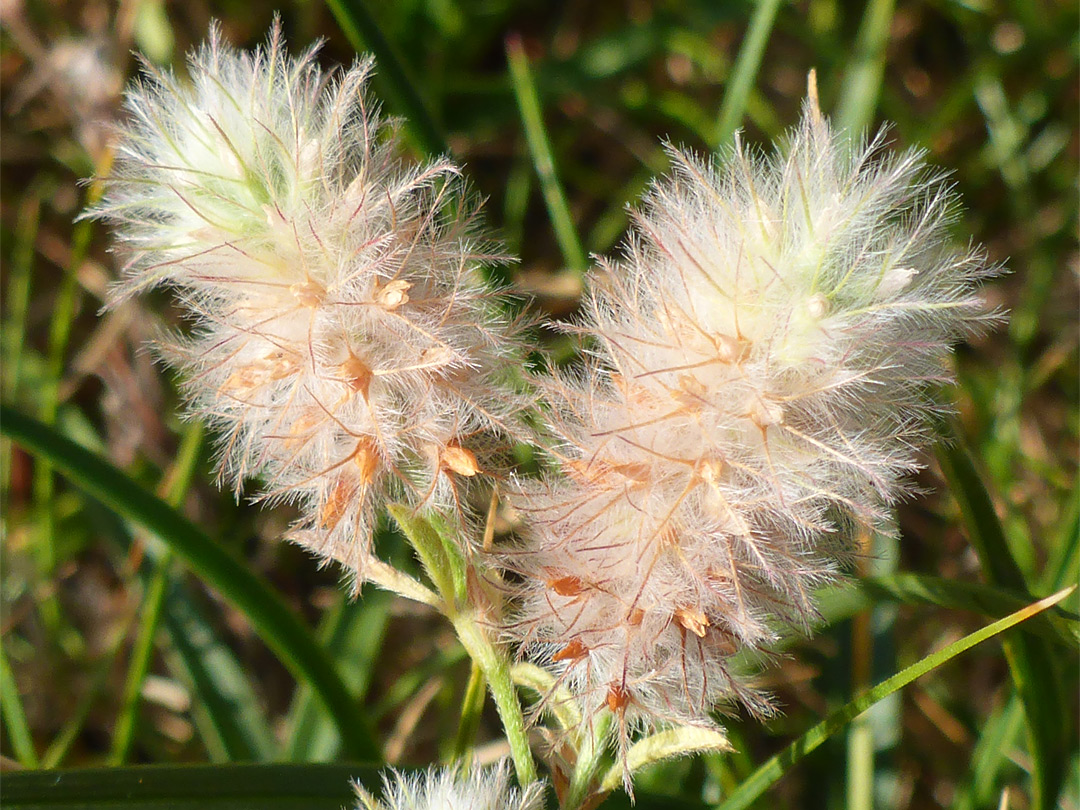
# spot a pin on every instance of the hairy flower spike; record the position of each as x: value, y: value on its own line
x: 452, y: 790
x: 761, y: 379
x: 343, y: 342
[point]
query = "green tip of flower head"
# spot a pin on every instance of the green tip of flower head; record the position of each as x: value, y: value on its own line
x: 344, y: 345
x: 763, y: 371
x: 452, y: 789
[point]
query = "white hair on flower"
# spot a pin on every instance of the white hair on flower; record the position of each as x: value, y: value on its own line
x: 452, y: 789
x: 759, y: 380
x: 343, y: 341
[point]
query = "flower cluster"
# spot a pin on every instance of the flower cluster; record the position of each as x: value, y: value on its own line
x: 343, y: 342
x: 760, y: 374
x: 448, y: 789
x: 759, y: 380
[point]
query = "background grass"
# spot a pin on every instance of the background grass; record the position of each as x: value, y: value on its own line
x: 114, y: 653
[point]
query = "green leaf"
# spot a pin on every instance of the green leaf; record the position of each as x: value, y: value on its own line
x: 429, y: 547
x: 667, y: 744
x: 862, y: 80
x: 992, y: 751
x: 772, y: 770
x: 185, y: 787
x: 472, y: 706
x: 844, y: 601
x: 744, y: 75
x: 228, y: 714
x: 353, y: 632
x: 390, y: 79
x: 279, y: 627
x: 1032, y: 663
x: 175, y: 486
x: 560, y: 704
x: 222, y: 787
x: 11, y: 708
x: 532, y: 121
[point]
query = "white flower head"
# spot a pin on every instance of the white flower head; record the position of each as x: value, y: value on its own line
x: 762, y: 371
x: 451, y: 789
x: 343, y: 341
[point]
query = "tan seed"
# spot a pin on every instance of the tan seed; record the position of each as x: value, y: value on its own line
x: 574, y: 651
x: 366, y: 459
x: 459, y: 460
x: 356, y: 374
x: 395, y: 294
x: 693, y: 620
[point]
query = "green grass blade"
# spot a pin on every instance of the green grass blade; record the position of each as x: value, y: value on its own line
x: 224, y: 787
x: 186, y: 787
x: 353, y: 633
x: 391, y: 79
x: 744, y: 73
x: 1031, y: 662
x: 836, y: 603
x: 775, y: 768
x: 11, y: 709
x: 984, y: 529
x: 127, y: 720
x: 62, y: 744
x: 176, y: 485
x: 18, y: 292
x: 64, y: 310
x: 1063, y: 567
x: 279, y: 627
x: 532, y: 121
x: 228, y: 713
x: 472, y: 706
x: 862, y: 82
x: 995, y: 744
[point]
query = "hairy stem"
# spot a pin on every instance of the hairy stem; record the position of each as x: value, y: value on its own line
x: 496, y: 668
x: 590, y: 761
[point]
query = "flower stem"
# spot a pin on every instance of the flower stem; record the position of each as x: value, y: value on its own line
x: 496, y: 668
x: 590, y: 759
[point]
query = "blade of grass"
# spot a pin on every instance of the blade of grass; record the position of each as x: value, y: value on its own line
x: 1063, y: 566
x: 773, y: 769
x: 862, y: 80
x: 64, y: 310
x: 405, y: 687
x: 869, y: 778
x: 353, y: 632
x: 279, y: 627
x: 221, y: 787
x: 391, y: 78
x: 1031, y: 662
x: 11, y: 709
x: 472, y: 706
x: 18, y: 291
x: 61, y: 745
x: 127, y: 719
x: 228, y: 714
x: 837, y: 603
x: 174, y: 488
x: 186, y: 787
x: 991, y: 754
x: 532, y: 121
x: 744, y: 73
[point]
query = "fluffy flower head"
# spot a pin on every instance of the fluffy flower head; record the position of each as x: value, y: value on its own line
x: 447, y: 789
x: 342, y: 340
x: 763, y: 361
